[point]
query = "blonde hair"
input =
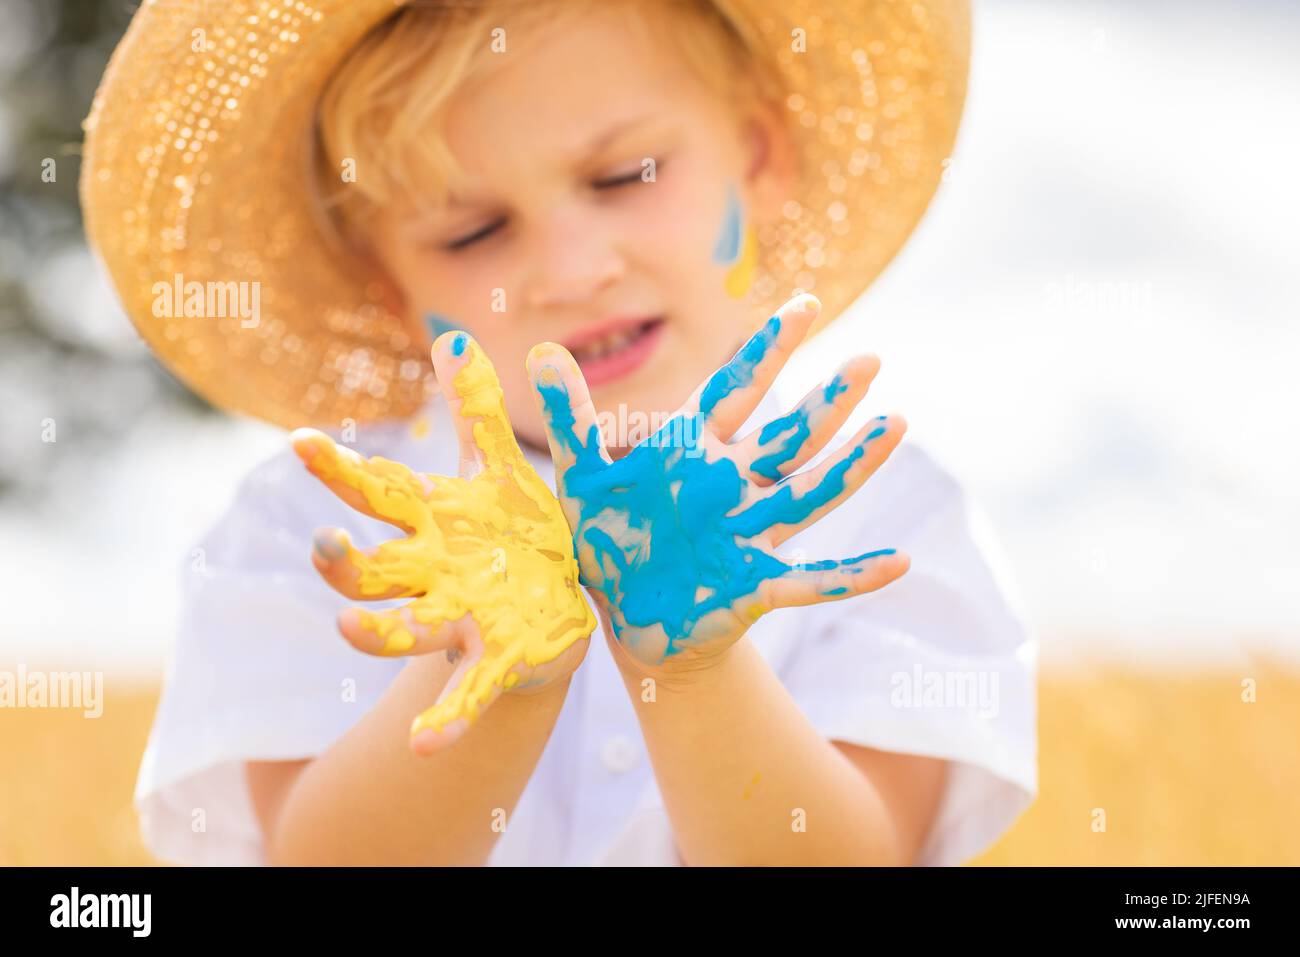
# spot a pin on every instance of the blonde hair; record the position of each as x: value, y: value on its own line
x: 384, y: 106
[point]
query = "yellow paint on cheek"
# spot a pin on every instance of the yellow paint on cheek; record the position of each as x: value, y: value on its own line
x: 495, y: 546
x: 749, y: 788
x: 741, y: 275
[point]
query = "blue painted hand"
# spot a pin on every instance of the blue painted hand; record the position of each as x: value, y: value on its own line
x: 677, y: 539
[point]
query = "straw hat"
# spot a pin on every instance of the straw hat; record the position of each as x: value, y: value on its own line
x: 196, y: 163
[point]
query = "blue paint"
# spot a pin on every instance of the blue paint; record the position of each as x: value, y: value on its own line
x: 828, y: 564
x: 458, y: 344
x: 739, y: 372
x: 327, y: 545
x: 798, y: 424
x: 783, y: 507
x: 727, y: 248
x: 836, y: 591
x: 658, y: 532
x: 437, y: 325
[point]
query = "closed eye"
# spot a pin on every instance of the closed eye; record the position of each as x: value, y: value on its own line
x: 464, y: 241
x: 602, y: 184
x: 619, y: 181
x: 630, y: 178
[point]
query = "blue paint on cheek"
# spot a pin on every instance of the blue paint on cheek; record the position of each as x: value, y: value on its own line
x: 437, y: 325
x: 458, y: 344
x: 727, y: 248
x: 836, y: 591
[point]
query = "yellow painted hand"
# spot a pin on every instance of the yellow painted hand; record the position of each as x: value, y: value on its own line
x: 488, y: 557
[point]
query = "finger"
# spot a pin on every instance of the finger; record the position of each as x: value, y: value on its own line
x: 731, y: 394
x: 799, y: 501
x: 472, y: 688
x: 376, y: 487
x: 814, y: 582
x: 394, y: 632
x: 572, y: 430
x: 786, y: 443
x: 378, y: 573
x: 478, y: 407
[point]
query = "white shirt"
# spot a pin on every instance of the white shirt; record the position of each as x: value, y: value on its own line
x: 937, y: 663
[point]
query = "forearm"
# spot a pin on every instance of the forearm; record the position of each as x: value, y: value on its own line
x: 369, y: 800
x: 746, y: 778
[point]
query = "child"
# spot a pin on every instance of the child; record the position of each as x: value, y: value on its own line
x: 643, y: 183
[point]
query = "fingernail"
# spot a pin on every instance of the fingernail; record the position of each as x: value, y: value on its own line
x: 424, y: 742
x: 303, y: 441
x: 807, y: 302
x: 328, y: 545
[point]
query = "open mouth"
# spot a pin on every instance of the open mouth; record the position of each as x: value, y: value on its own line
x: 615, y: 349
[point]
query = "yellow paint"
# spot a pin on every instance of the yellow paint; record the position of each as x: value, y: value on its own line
x: 495, y: 546
x: 741, y: 276
x: 420, y: 427
x: 749, y: 788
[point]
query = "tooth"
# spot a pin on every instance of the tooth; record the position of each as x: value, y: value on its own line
x: 611, y: 342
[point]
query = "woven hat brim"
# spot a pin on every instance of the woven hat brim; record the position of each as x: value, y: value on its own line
x: 198, y: 159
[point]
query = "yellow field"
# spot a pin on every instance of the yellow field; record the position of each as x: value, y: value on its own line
x: 1186, y: 772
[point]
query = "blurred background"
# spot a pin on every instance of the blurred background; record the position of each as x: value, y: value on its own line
x: 1096, y: 328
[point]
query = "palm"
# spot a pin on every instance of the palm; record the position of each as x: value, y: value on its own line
x: 678, y: 538
x: 689, y: 566
x: 487, y: 560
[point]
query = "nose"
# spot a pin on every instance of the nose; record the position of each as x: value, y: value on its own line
x: 572, y: 259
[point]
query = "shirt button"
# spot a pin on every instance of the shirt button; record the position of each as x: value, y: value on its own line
x: 619, y: 754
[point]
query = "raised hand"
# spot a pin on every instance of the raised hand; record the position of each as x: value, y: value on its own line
x: 677, y: 538
x: 488, y: 558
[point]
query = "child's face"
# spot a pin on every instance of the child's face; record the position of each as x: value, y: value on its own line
x: 630, y: 276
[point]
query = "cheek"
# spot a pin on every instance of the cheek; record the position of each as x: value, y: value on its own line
x: 673, y: 224
x: 697, y: 228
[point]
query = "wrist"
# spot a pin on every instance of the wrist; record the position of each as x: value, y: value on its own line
x: 539, y: 689
x: 690, y: 671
